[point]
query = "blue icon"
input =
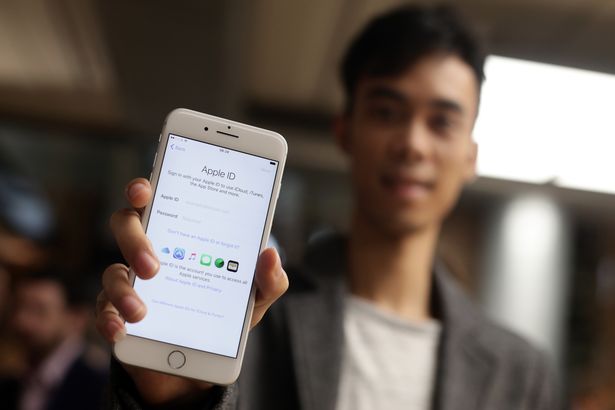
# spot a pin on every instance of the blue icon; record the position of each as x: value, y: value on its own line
x: 165, y: 250
x: 178, y: 253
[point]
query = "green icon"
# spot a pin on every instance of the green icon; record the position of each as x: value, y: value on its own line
x: 219, y: 262
x: 205, y: 259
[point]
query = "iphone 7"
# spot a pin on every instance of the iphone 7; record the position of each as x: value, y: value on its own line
x: 215, y: 184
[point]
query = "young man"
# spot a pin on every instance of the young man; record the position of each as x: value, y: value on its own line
x: 370, y: 322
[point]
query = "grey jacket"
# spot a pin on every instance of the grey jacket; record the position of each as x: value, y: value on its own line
x: 294, y: 355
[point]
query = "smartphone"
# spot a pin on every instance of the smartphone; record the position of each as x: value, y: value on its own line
x: 215, y: 185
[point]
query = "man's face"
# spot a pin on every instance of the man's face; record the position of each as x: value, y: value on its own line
x: 409, y: 142
x: 41, y: 316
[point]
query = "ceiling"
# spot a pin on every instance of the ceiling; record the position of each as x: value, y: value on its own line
x: 306, y: 39
x: 116, y: 67
x: 119, y: 64
x: 54, y: 62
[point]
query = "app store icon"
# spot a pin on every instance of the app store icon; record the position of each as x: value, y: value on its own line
x: 179, y: 253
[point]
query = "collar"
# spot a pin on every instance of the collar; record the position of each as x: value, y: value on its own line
x: 52, y: 370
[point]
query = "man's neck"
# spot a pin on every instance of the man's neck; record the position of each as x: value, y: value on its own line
x: 392, y: 271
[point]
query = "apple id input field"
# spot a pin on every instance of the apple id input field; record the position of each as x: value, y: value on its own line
x: 205, y: 206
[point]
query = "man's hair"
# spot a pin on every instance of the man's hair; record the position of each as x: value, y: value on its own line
x: 76, y: 291
x: 394, y: 41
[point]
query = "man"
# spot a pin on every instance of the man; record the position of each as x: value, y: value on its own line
x: 49, y: 319
x: 27, y: 230
x: 370, y: 322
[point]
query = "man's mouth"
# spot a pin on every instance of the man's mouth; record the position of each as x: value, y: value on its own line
x: 406, y: 187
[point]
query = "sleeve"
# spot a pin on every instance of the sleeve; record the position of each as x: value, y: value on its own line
x: 545, y: 393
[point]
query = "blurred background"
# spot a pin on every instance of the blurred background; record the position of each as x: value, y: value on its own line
x: 85, y: 86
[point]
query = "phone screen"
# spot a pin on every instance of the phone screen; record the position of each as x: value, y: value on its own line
x: 206, y: 224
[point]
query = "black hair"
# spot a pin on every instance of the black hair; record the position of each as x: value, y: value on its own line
x: 76, y: 289
x: 396, y: 40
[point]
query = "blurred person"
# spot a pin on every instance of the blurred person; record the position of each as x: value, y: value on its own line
x: 27, y: 223
x: 49, y: 318
x: 372, y: 320
x: 27, y: 229
x: 10, y: 359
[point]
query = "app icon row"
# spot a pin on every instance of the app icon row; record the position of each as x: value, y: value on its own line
x: 204, y: 259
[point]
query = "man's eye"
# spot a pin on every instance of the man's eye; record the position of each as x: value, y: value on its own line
x: 387, y: 114
x: 441, y: 122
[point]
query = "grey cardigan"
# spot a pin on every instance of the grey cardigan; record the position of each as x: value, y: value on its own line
x: 293, y: 356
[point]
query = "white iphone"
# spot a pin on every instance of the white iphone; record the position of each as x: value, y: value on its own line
x: 215, y: 185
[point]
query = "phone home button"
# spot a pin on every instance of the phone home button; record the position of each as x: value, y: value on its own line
x: 176, y: 359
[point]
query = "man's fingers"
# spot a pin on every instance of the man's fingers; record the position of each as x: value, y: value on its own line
x: 138, y: 192
x: 271, y: 279
x: 121, y: 295
x: 271, y: 283
x: 134, y: 245
x: 108, y: 321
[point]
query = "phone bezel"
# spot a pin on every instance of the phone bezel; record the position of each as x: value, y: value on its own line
x: 225, y: 133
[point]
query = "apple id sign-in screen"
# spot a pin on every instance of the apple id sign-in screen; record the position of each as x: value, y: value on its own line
x: 206, y: 224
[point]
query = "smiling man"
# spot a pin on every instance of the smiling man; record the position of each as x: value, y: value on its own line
x: 371, y: 321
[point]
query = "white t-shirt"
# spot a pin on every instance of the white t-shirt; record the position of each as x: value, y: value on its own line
x: 388, y: 362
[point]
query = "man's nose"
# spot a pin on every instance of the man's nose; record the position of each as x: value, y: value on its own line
x: 413, y: 142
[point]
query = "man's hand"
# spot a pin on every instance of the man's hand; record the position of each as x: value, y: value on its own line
x: 118, y: 301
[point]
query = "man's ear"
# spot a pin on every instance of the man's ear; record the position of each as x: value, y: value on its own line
x: 470, y: 174
x: 341, y: 131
